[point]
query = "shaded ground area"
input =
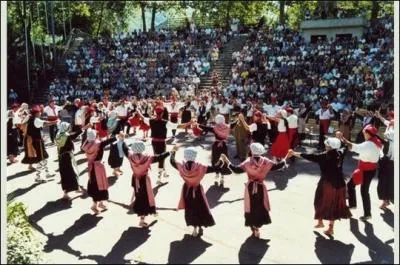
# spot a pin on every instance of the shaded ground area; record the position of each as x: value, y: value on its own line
x: 73, y: 234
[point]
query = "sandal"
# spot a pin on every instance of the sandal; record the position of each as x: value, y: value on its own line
x: 319, y: 226
x: 102, y: 206
x: 143, y: 224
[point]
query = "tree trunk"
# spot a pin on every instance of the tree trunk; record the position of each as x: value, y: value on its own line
x: 282, y: 12
x: 228, y: 15
x: 101, y: 18
x: 143, y: 8
x: 41, y: 45
x: 70, y: 16
x: 375, y: 11
x: 30, y: 28
x: 47, y: 21
x: 53, y: 32
x: 27, y: 52
x: 65, y: 28
x: 153, y: 17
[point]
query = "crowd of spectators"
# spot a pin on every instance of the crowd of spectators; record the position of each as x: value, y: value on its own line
x: 140, y: 64
x: 349, y: 73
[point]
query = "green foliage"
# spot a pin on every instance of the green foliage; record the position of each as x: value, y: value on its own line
x: 22, y: 245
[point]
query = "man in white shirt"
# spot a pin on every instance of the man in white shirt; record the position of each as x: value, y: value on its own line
x: 173, y: 110
x: 122, y: 112
x: 224, y: 109
x: 51, y: 111
x: 369, y: 154
x: 325, y: 113
x: 292, y: 122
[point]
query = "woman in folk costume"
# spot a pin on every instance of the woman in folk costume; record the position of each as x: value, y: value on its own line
x: 116, y: 157
x: 35, y: 151
x: 330, y: 195
x: 98, y: 183
x: 134, y: 120
x: 66, y: 160
x: 186, y: 114
x: 241, y: 134
x: 386, y: 163
x: 280, y: 146
x: 145, y: 110
x: 101, y: 124
x: 193, y: 199
x: 256, y: 202
x: 221, y: 131
x: 12, y: 138
x: 369, y: 154
x: 346, y: 123
x: 292, y: 120
x: 114, y: 125
x: 143, y: 203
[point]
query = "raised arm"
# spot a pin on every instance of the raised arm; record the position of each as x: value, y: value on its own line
x: 107, y: 142
x: 172, y: 159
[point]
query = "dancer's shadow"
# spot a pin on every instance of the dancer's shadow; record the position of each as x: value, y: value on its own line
x: 81, y: 226
x: 48, y: 209
x: 388, y: 217
x: 84, y: 171
x: 156, y: 188
x: 330, y: 251
x: 281, y: 178
x: 19, y: 174
x: 213, y: 194
x: 131, y: 239
x: 379, y: 251
x: 253, y: 250
x: 21, y: 191
x: 112, y: 180
x: 81, y: 161
x: 186, y: 250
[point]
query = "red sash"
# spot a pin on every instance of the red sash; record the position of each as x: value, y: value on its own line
x: 158, y: 140
x: 358, y: 174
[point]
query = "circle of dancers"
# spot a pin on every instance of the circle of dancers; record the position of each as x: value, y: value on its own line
x: 102, y: 124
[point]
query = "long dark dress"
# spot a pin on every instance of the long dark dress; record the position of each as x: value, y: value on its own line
x: 386, y: 176
x: 114, y: 160
x: 186, y: 114
x: 66, y: 164
x: 141, y: 205
x: 197, y: 212
x: 92, y: 188
x: 35, y: 150
x: 12, y: 139
x: 330, y: 195
x: 258, y: 215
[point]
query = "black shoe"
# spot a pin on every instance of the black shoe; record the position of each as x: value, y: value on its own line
x: 365, y: 218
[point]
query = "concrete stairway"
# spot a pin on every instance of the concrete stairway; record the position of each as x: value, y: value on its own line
x: 223, y: 65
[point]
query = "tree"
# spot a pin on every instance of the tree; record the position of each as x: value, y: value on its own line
x: 375, y: 10
x: 282, y: 12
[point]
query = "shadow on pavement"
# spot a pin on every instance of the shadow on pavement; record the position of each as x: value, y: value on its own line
x: 379, y: 251
x: 330, y: 251
x: 131, y: 239
x: 156, y: 188
x: 112, y: 180
x: 19, y: 192
x: 186, y: 250
x: 388, y: 217
x: 213, y: 194
x: 81, y: 161
x: 253, y: 250
x: 81, y: 226
x: 281, y: 178
x: 19, y: 174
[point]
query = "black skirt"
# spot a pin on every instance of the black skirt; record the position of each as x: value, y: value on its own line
x: 69, y: 177
x: 386, y: 179
x: 93, y: 189
x: 196, y: 210
x: 41, y: 154
x: 216, y: 153
x: 115, y: 161
x: 258, y: 215
x: 141, y: 204
x: 12, y: 142
x: 186, y: 116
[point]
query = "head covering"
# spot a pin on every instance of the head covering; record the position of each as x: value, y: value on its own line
x: 63, y: 127
x: 257, y: 149
x: 91, y: 134
x: 289, y: 110
x: 219, y: 119
x: 334, y: 143
x: 258, y: 114
x: 189, y: 154
x: 283, y: 113
x: 35, y: 109
x: 138, y: 147
x: 370, y: 129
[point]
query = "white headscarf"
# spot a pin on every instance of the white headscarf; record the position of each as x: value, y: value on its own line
x: 219, y: 119
x: 63, y: 127
x: 190, y: 154
x: 333, y: 142
x: 138, y: 147
x: 257, y: 149
x: 91, y: 134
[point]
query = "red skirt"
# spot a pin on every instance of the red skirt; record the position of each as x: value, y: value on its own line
x: 144, y: 126
x: 293, y: 137
x: 134, y: 121
x: 280, y: 147
x: 102, y: 133
x: 324, y: 126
